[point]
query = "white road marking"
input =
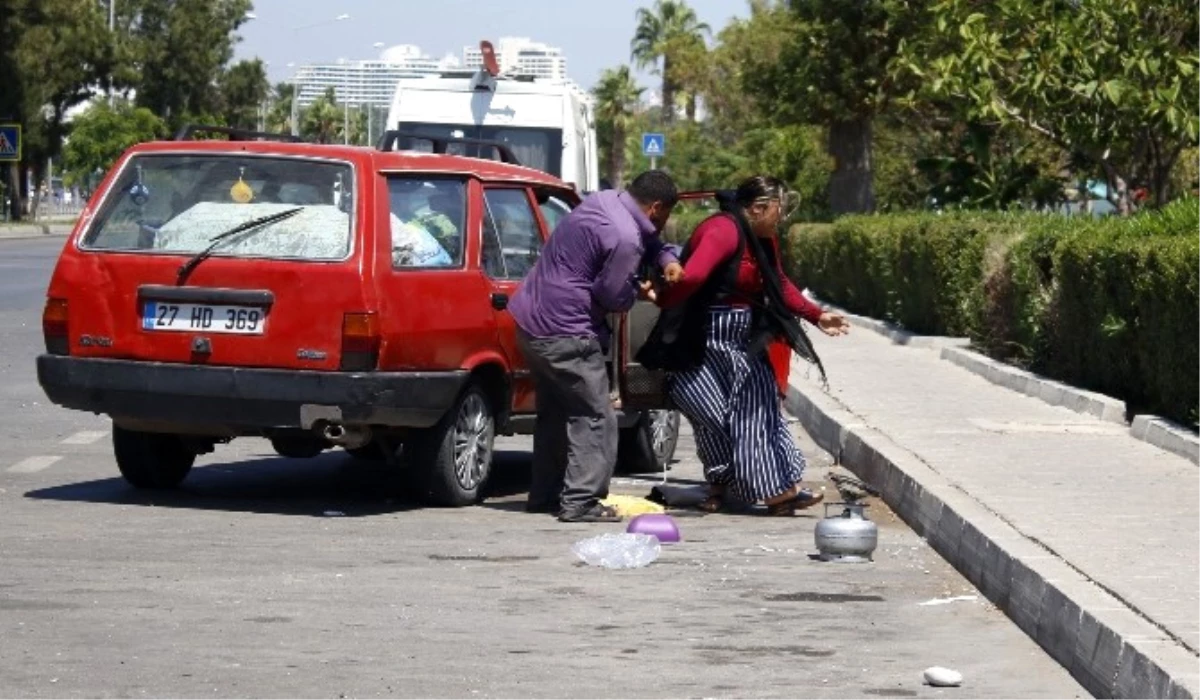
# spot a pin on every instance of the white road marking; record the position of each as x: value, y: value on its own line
x: 29, y: 465
x: 85, y: 437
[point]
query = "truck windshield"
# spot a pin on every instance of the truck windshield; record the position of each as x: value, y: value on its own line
x: 540, y: 149
x: 179, y: 203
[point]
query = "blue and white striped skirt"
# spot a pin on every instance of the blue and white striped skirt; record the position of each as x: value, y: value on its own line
x: 732, y: 402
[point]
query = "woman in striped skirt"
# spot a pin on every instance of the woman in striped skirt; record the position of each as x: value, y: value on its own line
x: 732, y: 397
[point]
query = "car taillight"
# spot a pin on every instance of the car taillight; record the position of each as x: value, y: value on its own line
x: 54, y: 327
x: 360, y: 342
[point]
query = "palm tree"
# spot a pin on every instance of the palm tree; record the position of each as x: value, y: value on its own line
x: 322, y: 121
x: 617, y: 96
x: 279, y: 114
x: 671, y: 28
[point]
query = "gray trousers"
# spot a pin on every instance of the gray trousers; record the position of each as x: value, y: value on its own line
x: 575, y: 439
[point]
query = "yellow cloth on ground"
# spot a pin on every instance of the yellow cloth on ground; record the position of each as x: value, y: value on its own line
x: 629, y: 506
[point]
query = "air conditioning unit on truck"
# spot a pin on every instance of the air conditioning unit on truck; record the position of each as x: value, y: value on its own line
x: 548, y: 124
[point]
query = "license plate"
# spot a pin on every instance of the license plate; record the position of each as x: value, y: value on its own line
x: 209, y: 318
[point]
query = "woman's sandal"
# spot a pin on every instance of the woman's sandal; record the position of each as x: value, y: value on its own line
x: 803, y: 499
x: 711, y: 504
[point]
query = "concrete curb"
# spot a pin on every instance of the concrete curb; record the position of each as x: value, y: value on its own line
x: 900, y: 336
x: 1166, y: 435
x: 1054, y: 393
x: 897, y: 335
x: 1109, y: 648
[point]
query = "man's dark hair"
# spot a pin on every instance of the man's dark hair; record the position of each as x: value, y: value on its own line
x: 654, y: 186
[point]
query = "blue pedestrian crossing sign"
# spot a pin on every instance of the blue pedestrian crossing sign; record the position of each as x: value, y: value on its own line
x: 654, y: 145
x: 10, y: 142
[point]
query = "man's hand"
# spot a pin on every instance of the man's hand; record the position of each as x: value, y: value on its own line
x: 833, y: 324
x: 673, y: 272
x: 646, y: 291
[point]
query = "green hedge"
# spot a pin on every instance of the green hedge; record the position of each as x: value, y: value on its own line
x: 1109, y: 304
x: 921, y: 271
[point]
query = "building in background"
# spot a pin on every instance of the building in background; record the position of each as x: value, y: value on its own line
x: 522, y: 56
x: 368, y: 82
x: 373, y: 81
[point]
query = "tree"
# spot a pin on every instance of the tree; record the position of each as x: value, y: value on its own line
x: 989, y: 167
x: 617, y: 97
x: 731, y: 108
x: 835, y: 71
x: 101, y: 133
x: 322, y: 121
x: 279, y: 115
x: 1112, y: 82
x: 244, y: 90
x: 179, y: 50
x: 53, y: 55
x: 665, y: 33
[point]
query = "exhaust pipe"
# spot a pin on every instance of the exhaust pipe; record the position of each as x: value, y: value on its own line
x: 346, y: 436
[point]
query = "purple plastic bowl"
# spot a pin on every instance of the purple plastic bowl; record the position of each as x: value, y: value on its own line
x: 658, y: 524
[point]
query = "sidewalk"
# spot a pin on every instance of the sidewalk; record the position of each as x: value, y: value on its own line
x: 26, y: 229
x: 1086, y: 536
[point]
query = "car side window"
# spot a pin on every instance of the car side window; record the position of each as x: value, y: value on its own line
x: 427, y: 218
x: 553, y: 211
x: 512, y: 240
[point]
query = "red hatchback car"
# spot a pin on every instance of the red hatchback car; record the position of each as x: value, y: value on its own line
x: 315, y: 295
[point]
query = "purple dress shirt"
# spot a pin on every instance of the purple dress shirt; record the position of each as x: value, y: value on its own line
x: 587, y: 269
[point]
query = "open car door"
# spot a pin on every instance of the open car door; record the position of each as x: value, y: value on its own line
x: 642, y: 388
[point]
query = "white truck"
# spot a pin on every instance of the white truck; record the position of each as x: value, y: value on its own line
x: 548, y: 125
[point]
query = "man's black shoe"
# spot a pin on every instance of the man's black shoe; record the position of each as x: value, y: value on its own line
x: 597, y: 513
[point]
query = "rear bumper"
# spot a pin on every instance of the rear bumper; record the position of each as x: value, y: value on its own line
x: 246, y: 399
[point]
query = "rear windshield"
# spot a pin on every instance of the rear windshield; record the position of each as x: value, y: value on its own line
x: 180, y: 203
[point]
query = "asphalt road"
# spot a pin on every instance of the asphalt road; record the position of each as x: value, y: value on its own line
x: 266, y: 577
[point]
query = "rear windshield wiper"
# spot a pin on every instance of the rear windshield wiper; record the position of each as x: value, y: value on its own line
x: 187, y: 267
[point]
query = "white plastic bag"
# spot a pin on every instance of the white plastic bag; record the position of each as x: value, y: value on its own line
x: 618, y: 551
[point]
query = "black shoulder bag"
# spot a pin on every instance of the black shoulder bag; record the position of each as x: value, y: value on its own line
x: 680, y: 336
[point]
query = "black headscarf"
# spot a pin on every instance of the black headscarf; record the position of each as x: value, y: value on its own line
x: 772, y: 317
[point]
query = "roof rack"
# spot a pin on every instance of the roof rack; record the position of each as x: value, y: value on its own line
x: 390, y: 140
x: 189, y: 130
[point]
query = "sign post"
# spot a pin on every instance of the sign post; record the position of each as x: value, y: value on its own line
x: 10, y: 143
x: 654, y: 145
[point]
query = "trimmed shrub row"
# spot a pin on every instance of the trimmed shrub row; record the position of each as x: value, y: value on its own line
x: 1108, y: 304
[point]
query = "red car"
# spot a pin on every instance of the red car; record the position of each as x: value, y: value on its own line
x: 315, y: 295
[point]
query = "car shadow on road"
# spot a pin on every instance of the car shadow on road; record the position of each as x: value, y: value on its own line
x: 332, y: 484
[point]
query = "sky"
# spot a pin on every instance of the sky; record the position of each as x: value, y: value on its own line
x: 594, y: 34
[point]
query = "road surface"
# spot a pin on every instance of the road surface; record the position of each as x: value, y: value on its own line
x: 266, y: 576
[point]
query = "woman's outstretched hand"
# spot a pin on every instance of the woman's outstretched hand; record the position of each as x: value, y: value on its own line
x: 833, y: 324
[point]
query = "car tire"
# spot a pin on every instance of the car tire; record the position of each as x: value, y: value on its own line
x: 151, y: 460
x: 649, y: 445
x: 454, y: 457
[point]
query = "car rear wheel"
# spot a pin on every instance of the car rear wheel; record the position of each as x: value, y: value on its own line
x: 151, y: 460
x: 455, y: 456
x: 649, y: 444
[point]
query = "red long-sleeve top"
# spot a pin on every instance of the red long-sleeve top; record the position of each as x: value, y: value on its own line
x: 715, y: 241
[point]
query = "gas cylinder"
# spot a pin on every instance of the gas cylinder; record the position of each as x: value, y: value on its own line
x: 848, y: 536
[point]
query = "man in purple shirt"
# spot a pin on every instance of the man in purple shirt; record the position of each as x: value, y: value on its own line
x: 587, y: 270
